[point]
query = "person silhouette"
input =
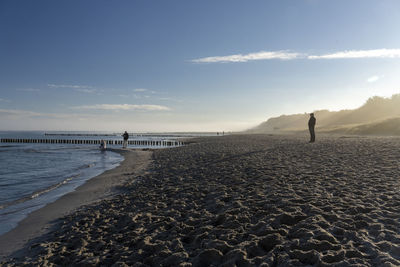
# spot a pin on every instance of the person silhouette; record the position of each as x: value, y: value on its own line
x: 311, y: 126
x: 103, y: 145
x: 126, y: 137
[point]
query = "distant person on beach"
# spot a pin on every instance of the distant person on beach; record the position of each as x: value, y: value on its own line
x: 311, y: 126
x: 103, y: 145
x: 126, y: 137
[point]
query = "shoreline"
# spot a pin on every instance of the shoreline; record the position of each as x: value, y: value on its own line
x: 38, y: 223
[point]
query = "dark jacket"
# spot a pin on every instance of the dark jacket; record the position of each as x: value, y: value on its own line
x: 311, y: 122
x: 126, y: 136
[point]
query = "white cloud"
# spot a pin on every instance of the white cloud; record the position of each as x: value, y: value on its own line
x: 262, y: 55
x: 26, y: 114
x: 122, y: 95
x: 123, y: 107
x: 86, y: 90
x: 286, y: 55
x: 18, y: 112
x: 374, y: 78
x: 135, y: 96
x: 140, y: 90
x: 4, y: 100
x: 375, y: 53
x: 69, y: 86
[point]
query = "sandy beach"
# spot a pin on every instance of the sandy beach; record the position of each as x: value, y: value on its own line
x: 240, y: 200
x: 106, y: 185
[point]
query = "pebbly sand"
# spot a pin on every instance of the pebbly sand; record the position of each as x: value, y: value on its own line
x: 243, y: 201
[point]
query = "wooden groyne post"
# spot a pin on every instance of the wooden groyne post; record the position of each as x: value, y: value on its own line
x: 146, y: 143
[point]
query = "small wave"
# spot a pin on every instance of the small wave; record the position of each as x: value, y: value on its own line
x: 6, y: 150
x: 62, y: 147
x: 27, y: 207
x: 31, y: 150
x: 86, y: 166
x: 41, y: 150
x: 38, y: 193
x: 18, y: 149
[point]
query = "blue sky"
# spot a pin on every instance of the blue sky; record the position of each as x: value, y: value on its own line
x: 190, y: 65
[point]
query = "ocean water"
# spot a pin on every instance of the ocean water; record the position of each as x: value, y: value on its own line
x: 33, y: 175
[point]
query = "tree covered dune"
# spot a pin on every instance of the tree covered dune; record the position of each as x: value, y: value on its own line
x: 378, y: 116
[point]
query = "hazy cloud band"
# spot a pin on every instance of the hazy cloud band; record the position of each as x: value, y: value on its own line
x: 51, y: 85
x: 263, y: 55
x: 375, y: 53
x: 123, y: 107
x: 285, y: 55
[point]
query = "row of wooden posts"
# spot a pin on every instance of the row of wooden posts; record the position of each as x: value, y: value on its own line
x: 161, y: 143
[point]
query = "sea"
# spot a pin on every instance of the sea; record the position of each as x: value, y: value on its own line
x: 33, y: 175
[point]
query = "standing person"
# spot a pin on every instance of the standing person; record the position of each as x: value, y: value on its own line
x: 311, y: 126
x: 103, y: 145
x: 126, y: 137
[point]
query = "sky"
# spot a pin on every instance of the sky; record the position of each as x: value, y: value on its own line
x: 183, y: 65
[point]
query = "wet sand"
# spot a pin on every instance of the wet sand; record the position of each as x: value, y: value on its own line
x: 106, y: 185
x: 244, y: 201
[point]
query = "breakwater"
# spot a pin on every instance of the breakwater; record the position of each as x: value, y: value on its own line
x: 147, y: 143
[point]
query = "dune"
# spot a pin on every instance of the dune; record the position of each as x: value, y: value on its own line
x: 389, y: 127
x: 378, y: 116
